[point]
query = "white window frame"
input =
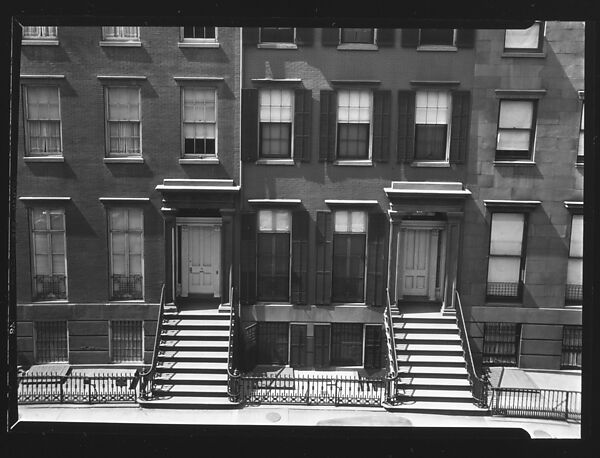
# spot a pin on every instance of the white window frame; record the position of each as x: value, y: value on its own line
x: 127, y: 252
x: 260, y: 41
x: 36, y: 343
x: 268, y: 159
x: 368, y: 159
x: 448, y: 129
x: 39, y: 38
x: 111, y: 346
x: 109, y: 153
x: 48, y: 232
x: 532, y: 130
x: 538, y: 49
x: 116, y: 38
x: 183, y: 39
x: 276, y: 231
x: 185, y: 155
x: 437, y: 47
x: 27, y: 120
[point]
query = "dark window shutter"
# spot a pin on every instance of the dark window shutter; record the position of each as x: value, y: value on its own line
x: 249, y: 125
x: 305, y: 36
x: 465, y: 38
x: 406, y: 126
x: 250, y: 35
x: 298, y: 345
x: 300, y: 221
x: 377, y: 259
x: 324, y: 255
x: 330, y: 36
x: 386, y: 37
x: 327, y: 125
x: 459, y: 130
x: 302, y: 124
x: 248, y: 258
x: 410, y: 38
x: 373, y: 347
x: 381, y: 125
x: 322, y: 343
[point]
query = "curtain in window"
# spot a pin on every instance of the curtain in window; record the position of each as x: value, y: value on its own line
x: 523, y: 38
x: 43, y: 119
x: 275, y: 116
x: 122, y: 33
x: 39, y: 32
x: 506, y: 242
x: 346, y: 344
x: 126, y: 239
x: 124, y: 120
x: 199, y: 125
x: 572, y: 346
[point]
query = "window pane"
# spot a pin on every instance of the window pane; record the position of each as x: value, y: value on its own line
x: 118, y: 264
x: 575, y: 271
x: 354, y: 106
x: 431, y: 142
x: 353, y: 141
x: 276, y: 105
x: 42, y: 264
x: 39, y: 219
x: 514, y: 140
x: 507, y: 233
x: 504, y: 269
x: 265, y: 220
x: 516, y: 113
x: 275, y: 139
x: 576, y: 248
x: 58, y: 242
x: 135, y: 218
x: 41, y: 243
x: 523, y: 38
x: 342, y: 221
x: 117, y: 219
x: 282, y: 220
x: 56, y: 220
x: 58, y: 264
x: 432, y: 107
x: 135, y: 264
x: 42, y: 103
x: 358, y: 221
x: 135, y: 242
x: 118, y: 242
x: 123, y: 104
x: 443, y: 37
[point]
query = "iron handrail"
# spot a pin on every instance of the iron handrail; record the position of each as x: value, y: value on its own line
x: 233, y: 374
x: 389, y: 331
x: 146, y: 376
x: 478, y: 383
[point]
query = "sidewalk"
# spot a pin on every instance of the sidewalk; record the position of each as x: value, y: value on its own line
x: 288, y: 416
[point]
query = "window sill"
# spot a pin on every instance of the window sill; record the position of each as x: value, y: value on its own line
x: 36, y: 42
x: 430, y: 164
x: 358, y: 163
x: 503, y: 302
x: 199, y: 44
x: 515, y: 163
x: 277, y: 46
x: 285, y: 161
x: 198, y: 160
x: 534, y: 54
x: 357, y: 47
x: 573, y: 306
x: 122, y: 44
x: 57, y: 301
x: 123, y: 160
x: 44, y: 159
x: 442, y: 48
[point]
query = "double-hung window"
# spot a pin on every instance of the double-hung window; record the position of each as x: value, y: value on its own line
x: 276, y: 114
x: 126, y: 253
x: 39, y: 33
x: 516, y: 130
x: 501, y: 344
x: 198, y: 33
x: 42, y: 120
x: 349, y: 248
x: 123, y: 121
x: 506, y: 265
x: 51, y: 342
x: 580, y: 146
x: 436, y: 37
x: 574, y: 287
x: 277, y: 35
x: 525, y: 40
x: 199, y: 121
x: 432, y: 125
x: 356, y: 35
x: 119, y: 33
x: 49, y: 254
x: 572, y: 346
x: 273, y: 260
x: 354, y: 117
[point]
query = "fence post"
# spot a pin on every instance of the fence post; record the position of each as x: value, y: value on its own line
x: 567, y: 406
x: 62, y: 394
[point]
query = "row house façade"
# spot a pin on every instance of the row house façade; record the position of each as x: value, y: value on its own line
x: 313, y: 175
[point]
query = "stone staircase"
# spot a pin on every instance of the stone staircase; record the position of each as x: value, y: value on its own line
x: 431, y: 364
x: 191, y: 369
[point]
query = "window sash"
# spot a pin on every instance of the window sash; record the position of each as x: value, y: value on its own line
x: 49, y: 254
x: 51, y: 342
x: 275, y: 139
x: 572, y: 347
x: 348, y: 267
x: 373, y: 346
x: 272, y: 342
x: 200, y: 33
x: 358, y: 35
x: 501, y: 344
x: 39, y: 32
x: 346, y: 344
x: 126, y: 253
x: 126, y: 338
x: 354, y: 221
x: 353, y: 141
x: 43, y: 120
x: 123, y: 121
x: 199, y: 121
x: 121, y: 33
x: 529, y: 39
x: 273, y: 266
x: 516, y: 127
x: 274, y: 220
x: 277, y: 34
x: 298, y: 344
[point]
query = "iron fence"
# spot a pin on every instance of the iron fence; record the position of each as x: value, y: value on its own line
x: 534, y: 403
x: 77, y: 389
x: 127, y: 287
x: 50, y: 287
x: 312, y: 390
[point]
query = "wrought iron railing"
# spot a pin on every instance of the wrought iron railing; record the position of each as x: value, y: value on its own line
x: 479, y: 385
x: 574, y: 294
x: 127, y: 287
x: 233, y: 374
x: 313, y: 390
x: 504, y: 289
x: 50, y: 287
x: 392, y: 359
x: 534, y: 403
x: 147, y: 376
x: 76, y: 389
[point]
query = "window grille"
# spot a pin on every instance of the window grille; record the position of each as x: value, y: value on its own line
x: 346, y: 344
x: 126, y: 341
x: 51, y: 342
x: 501, y: 344
x: 373, y: 346
x: 572, y: 346
x: 272, y: 342
x: 298, y: 345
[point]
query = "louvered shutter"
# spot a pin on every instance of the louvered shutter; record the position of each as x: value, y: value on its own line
x: 330, y: 36
x: 386, y: 37
x: 377, y: 259
x: 300, y: 220
x: 406, y: 126
x: 459, y: 130
x: 324, y: 257
x: 381, y: 125
x: 410, y: 38
x: 248, y: 258
x: 302, y: 124
x: 327, y: 125
x: 249, y: 125
x: 305, y: 36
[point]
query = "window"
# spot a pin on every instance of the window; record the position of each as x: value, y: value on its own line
x: 123, y: 121
x: 322, y: 345
x: 126, y: 253
x: 355, y: 35
x: 43, y: 123
x: 39, y: 33
x: 572, y: 345
x: 580, y: 146
x: 126, y: 341
x: 277, y: 34
x: 273, y: 255
x: 347, y: 344
x: 276, y: 114
x: 49, y: 254
x: 298, y: 346
x: 349, y: 245
x: 195, y: 32
x: 272, y: 342
x: 516, y: 130
x: 199, y: 121
x: 51, y: 342
x: 525, y: 40
x: 501, y: 344
x: 373, y: 346
x: 436, y: 37
x: 574, y: 287
x: 121, y: 33
x: 354, y: 122
x: 432, y: 121
x: 506, y: 261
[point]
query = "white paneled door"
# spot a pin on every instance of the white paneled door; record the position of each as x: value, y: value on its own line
x: 416, y: 262
x: 203, y: 259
